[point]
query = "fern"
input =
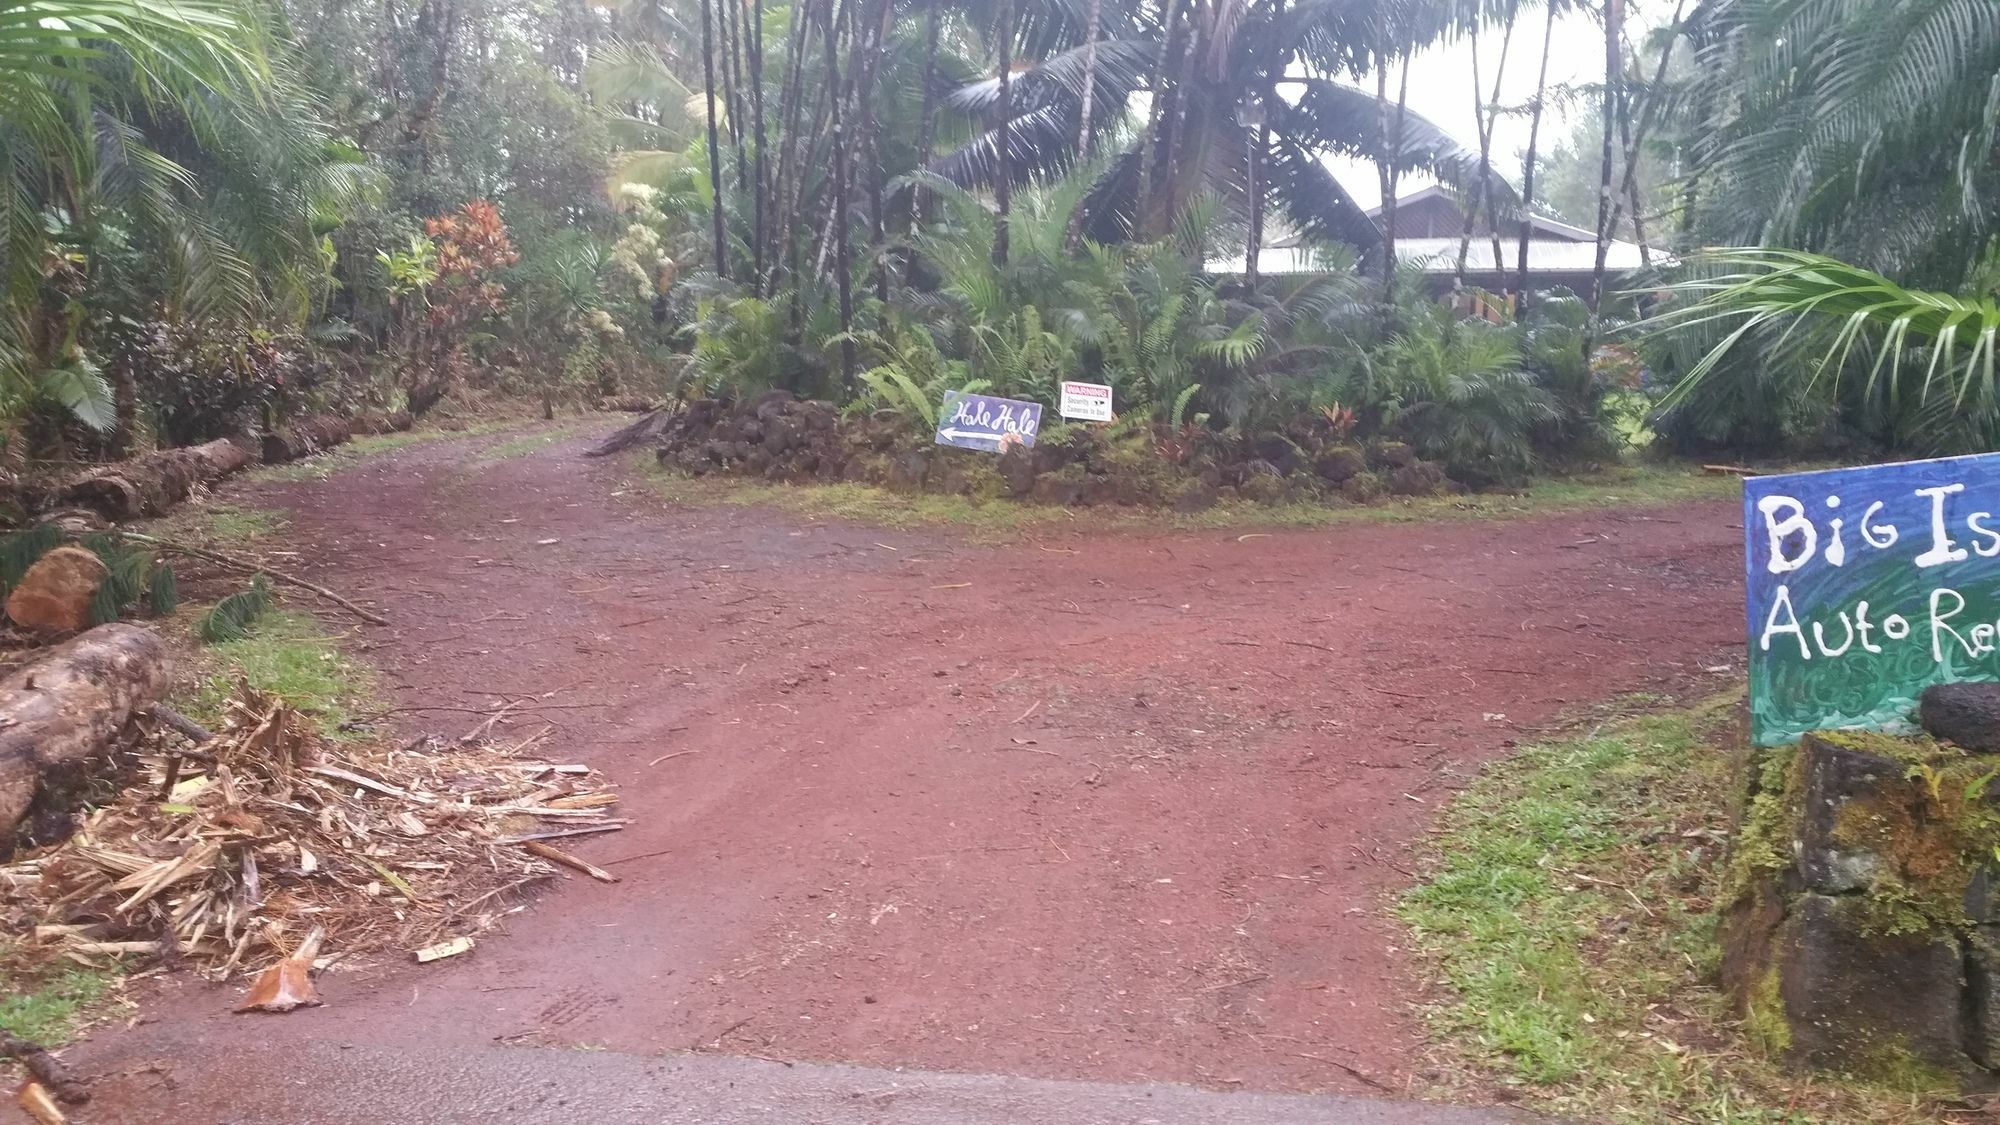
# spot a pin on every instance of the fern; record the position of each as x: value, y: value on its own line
x: 1178, y: 418
x: 126, y: 569
x: 163, y: 592
x: 105, y: 606
x: 232, y: 618
x: 20, y: 551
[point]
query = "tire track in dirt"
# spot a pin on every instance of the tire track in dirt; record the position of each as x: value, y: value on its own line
x: 1097, y: 806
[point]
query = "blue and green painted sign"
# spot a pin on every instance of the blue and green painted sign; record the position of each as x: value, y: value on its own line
x: 1867, y: 585
x: 986, y: 423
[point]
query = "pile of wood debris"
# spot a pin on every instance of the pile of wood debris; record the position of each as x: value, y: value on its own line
x: 231, y: 854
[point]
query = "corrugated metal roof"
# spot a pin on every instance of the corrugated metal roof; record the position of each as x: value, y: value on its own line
x: 1440, y: 256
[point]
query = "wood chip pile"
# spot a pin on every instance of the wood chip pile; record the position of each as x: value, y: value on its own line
x: 228, y: 855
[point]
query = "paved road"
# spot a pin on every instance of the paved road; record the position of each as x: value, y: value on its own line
x: 343, y: 1084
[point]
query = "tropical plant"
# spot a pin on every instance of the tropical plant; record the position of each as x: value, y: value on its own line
x: 1455, y: 389
x: 1866, y: 131
x: 1914, y: 369
x: 1240, y: 93
x: 910, y: 376
x: 161, y: 159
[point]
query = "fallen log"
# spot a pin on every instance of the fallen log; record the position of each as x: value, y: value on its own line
x: 628, y: 404
x: 70, y: 704
x: 47, y: 1069
x: 394, y: 422
x: 149, y: 484
x: 647, y: 429
x: 316, y: 434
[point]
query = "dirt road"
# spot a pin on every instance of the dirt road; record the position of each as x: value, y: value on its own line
x: 1090, y: 806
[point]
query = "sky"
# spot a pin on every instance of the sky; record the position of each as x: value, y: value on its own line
x: 1441, y: 92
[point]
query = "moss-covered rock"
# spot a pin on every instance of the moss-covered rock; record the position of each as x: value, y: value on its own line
x: 1859, y: 882
x: 777, y: 437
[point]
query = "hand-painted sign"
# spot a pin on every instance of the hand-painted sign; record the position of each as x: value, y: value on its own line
x: 991, y: 424
x: 1086, y: 402
x: 1867, y: 585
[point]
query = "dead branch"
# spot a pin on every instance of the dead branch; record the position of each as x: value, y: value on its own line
x: 249, y: 567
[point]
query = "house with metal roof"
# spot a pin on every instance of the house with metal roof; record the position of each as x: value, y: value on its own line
x: 1430, y: 227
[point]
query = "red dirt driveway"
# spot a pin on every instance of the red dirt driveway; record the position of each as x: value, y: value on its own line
x: 1092, y: 805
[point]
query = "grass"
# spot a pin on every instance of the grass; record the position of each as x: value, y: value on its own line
x: 1568, y: 910
x: 530, y: 443
x: 290, y: 654
x: 48, y: 1007
x: 323, y: 465
x: 222, y: 526
x: 1638, y: 485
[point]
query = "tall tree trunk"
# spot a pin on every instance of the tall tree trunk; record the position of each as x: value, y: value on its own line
x: 1486, y: 111
x: 1392, y: 171
x: 1155, y: 116
x: 1637, y: 136
x: 1003, y: 42
x: 757, y: 122
x: 1614, y: 58
x: 871, y: 140
x: 732, y: 84
x: 840, y: 258
x: 1528, y: 169
x: 1485, y: 150
x: 1258, y: 140
x: 714, y: 145
x: 1092, y: 24
x: 927, y: 116
x: 791, y: 101
x: 1176, y: 123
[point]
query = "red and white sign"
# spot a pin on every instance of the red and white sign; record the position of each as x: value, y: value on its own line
x: 1086, y: 402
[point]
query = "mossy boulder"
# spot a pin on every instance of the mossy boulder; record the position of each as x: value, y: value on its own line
x: 1263, y: 487
x: 1197, y: 495
x: 1063, y: 488
x: 1857, y: 907
x: 1017, y: 470
x: 1363, y: 488
x: 1418, y: 478
x: 1862, y: 1002
x: 1395, y: 454
x: 1339, y: 463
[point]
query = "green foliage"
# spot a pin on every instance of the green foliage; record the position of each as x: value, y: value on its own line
x: 740, y: 347
x: 1569, y: 906
x: 128, y: 566
x: 233, y: 618
x: 291, y: 656
x: 911, y: 375
x: 1455, y: 388
x: 163, y: 592
x: 19, y: 551
x: 1863, y: 131
x: 1910, y: 368
x: 48, y: 1009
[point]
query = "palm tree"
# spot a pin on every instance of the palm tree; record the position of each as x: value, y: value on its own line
x: 1614, y: 58
x: 172, y: 125
x: 1864, y: 131
x: 1915, y: 367
x: 1201, y: 63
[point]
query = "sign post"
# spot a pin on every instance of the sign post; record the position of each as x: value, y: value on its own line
x: 987, y: 424
x: 1866, y: 586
